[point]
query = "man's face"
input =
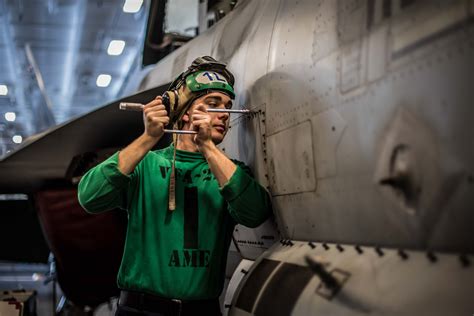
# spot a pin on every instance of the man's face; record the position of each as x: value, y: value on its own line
x: 219, y: 121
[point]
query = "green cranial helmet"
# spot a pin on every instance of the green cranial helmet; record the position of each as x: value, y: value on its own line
x: 201, y: 64
x: 203, y: 76
x: 203, y: 81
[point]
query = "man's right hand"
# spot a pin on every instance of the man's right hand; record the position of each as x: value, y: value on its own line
x: 155, y: 118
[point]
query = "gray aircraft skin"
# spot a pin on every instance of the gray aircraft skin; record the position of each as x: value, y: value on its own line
x: 362, y: 132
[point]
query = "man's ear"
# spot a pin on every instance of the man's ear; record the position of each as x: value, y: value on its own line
x: 185, y: 117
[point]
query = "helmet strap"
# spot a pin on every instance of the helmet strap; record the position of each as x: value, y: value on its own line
x: 172, y: 184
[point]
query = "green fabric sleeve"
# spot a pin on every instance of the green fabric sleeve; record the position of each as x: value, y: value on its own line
x: 103, y: 187
x: 249, y: 203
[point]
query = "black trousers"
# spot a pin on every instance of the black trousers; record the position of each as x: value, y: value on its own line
x: 142, y: 304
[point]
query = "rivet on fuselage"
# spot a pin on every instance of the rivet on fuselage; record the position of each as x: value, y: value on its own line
x: 431, y: 256
x: 402, y: 254
x: 464, y: 260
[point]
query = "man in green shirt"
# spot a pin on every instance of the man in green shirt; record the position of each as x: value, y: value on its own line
x: 182, y: 201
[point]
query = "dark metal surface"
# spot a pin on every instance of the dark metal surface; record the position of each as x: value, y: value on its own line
x: 20, y: 232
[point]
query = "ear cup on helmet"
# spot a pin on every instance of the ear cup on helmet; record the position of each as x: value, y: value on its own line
x: 166, y: 100
x: 170, y: 100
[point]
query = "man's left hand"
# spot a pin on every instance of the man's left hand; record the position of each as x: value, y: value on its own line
x: 201, y: 122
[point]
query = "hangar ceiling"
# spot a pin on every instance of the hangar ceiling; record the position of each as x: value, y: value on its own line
x: 63, y: 58
x: 52, y: 53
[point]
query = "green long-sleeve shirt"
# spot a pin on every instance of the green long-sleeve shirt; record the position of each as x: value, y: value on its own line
x: 179, y: 254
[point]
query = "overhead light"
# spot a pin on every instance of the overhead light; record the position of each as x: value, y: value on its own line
x: 3, y: 89
x: 103, y: 80
x: 10, y: 116
x: 132, y: 6
x: 17, y: 139
x: 116, y: 47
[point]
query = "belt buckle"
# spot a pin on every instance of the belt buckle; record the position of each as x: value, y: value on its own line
x: 180, y: 304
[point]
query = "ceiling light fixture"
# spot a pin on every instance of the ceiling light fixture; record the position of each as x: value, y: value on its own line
x: 3, y: 89
x: 10, y: 116
x: 17, y: 139
x: 103, y: 80
x: 132, y: 6
x: 115, y: 47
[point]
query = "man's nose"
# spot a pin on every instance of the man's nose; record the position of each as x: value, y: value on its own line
x: 223, y: 115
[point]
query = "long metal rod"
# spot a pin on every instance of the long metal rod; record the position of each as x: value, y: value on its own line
x: 227, y: 111
x: 179, y: 131
x: 138, y: 107
x: 128, y: 106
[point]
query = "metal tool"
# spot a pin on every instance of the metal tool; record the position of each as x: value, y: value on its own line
x: 179, y: 131
x: 227, y: 111
x: 138, y: 107
x: 128, y: 106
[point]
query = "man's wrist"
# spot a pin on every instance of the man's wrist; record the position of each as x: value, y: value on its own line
x: 207, y: 148
x: 131, y: 155
x: 148, y: 141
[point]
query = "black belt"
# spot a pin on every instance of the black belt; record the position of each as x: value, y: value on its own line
x: 153, y: 303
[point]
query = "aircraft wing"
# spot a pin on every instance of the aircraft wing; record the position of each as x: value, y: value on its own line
x: 45, y: 158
